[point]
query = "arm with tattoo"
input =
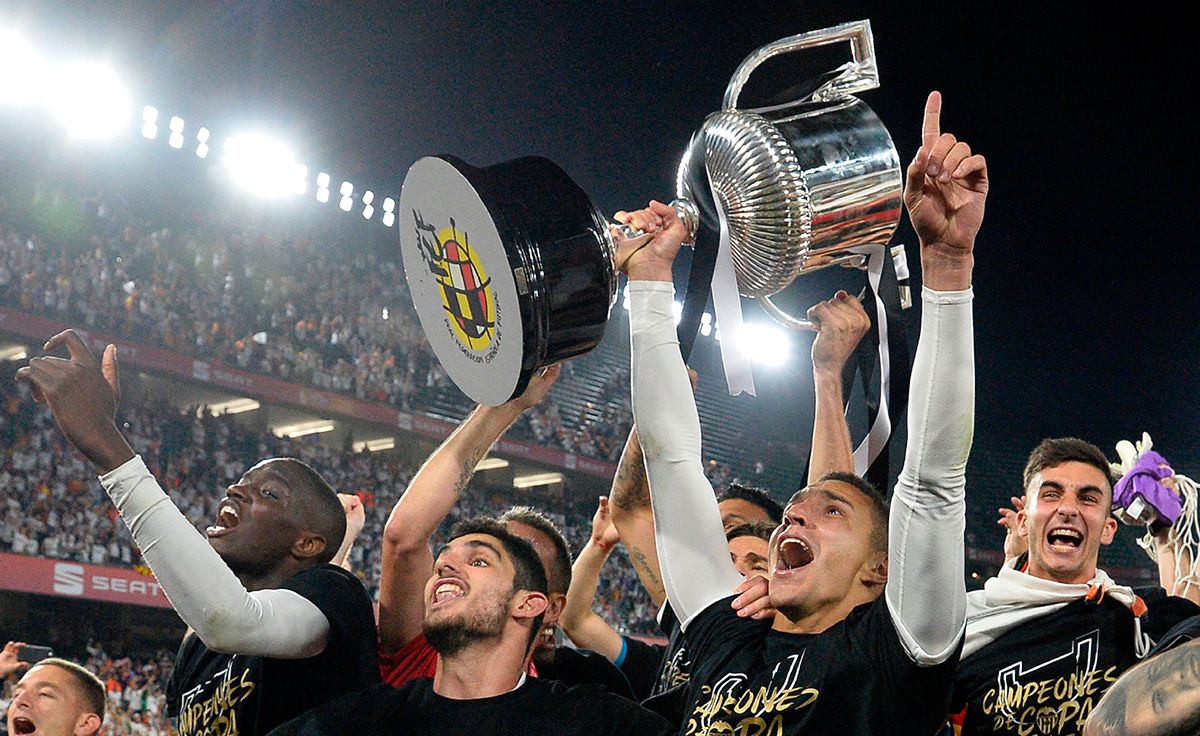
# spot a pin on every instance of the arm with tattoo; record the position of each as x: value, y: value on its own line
x: 632, y: 516
x: 407, y: 560
x: 1160, y: 697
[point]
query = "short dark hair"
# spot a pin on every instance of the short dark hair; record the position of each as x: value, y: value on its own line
x: 879, y: 504
x: 760, y: 529
x: 528, y: 573
x: 560, y: 576
x: 89, y: 687
x: 1054, y: 452
x: 756, y: 496
x: 324, y: 515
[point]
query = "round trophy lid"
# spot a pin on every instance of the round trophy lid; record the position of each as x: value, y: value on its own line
x: 463, y: 287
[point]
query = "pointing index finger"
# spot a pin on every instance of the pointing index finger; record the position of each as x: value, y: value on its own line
x: 931, y: 128
x: 75, y: 347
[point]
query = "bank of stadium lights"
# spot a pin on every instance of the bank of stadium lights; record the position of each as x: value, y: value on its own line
x: 303, y: 429
x: 322, y: 187
x: 150, y: 122
x: 346, y: 202
x: 368, y: 210
x: 389, y: 212
x: 176, y: 127
x: 202, y: 137
x: 264, y: 166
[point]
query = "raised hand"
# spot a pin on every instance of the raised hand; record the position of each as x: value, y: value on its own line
x: 356, y: 515
x: 649, y: 257
x: 539, y: 386
x: 9, y: 661
x: 83, y: 397
x: 946, y: 188
x: 841, y: 323
x: 1014, y: 544
x: 604, y: 532
x: 754, y: 599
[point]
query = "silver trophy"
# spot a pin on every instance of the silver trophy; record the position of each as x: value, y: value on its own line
x: 802, y: 184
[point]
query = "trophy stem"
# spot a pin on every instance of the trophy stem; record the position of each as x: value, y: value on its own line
x: 685, y: 209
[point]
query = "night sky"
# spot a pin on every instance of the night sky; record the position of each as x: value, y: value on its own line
x: 1086, y: 311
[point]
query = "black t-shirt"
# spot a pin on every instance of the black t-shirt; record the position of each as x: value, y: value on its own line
x: 676, y: 667
x: 214, y: 693
x: 536, y: 707
x: 853, y: 678
x: 1045, y: 676
x: 584, y: 667
x: 1184, y: 631
x: 640, y: 665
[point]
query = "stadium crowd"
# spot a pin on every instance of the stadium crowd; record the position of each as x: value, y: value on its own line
x: 843, y: 611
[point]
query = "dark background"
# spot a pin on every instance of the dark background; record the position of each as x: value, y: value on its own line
x: 1085, y: 311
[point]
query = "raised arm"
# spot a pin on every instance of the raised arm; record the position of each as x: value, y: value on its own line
x: 356, y: 517
x: 203, y: 590
x: 945, y: 194
x: 692, y: 552
x: 634, y: 519
x: 841, y: 323
x: 407, y: 560
x: 580, y: 622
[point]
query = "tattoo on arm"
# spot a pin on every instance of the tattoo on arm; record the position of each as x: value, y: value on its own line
x: 629, y: 489
x: 641, y: 563
x: 467, y: 472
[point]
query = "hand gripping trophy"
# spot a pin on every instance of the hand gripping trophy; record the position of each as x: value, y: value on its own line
x: 511, y: 266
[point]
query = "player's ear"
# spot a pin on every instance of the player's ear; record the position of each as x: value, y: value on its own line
x: 1109, y: 531
x: 875, y: 569
x: 309, y: 544
x: 529, y: 604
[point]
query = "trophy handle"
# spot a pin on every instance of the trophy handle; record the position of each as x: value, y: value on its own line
x: 687, y: 212
x: 859, y: 75
x: 846, y: 260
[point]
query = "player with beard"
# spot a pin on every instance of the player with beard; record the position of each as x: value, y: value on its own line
x: 483, y: 607
x: 1050, y: 634
x: 274, y: 628
x: 432, y: 494
x: 56, y: 698
x: 869, y: 612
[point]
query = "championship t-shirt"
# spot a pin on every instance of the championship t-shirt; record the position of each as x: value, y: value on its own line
x: 535, y: 707
x: 853, y: 678
x: 1045, y: 676
x: 639, y: 663
x: 236, y: 694
x: 675, y: 667
x: 583, y: 667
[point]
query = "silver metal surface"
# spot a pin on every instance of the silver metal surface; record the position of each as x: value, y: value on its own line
x: 800, y: 184
x: 685, y: 209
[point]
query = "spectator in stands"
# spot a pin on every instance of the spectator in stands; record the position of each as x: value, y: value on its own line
x: 276, y: 628
x: 57, y: 698
x: 483, y: 603
x: 1054, y: 605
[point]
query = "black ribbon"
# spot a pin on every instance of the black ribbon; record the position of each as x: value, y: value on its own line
x: 704, y: 255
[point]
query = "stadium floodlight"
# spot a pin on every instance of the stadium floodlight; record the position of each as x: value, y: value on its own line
x: 232, y: 406
x: 322, y: 195
x: 323, y: 180
x: 491, y: 463
x: 262, y: 165
x: 149, y: 114
x: 677, y: 309
x: 303, y: 429
x: 346, y: 204
x: 383, y: 443
x: 176, y: 124
x: 203, y: 135
x: 13, y: 352
x: 149, y: 130
x: 389, y: 204
x: 385, y: 314
x: 347, y: 189
x: 89, y: 100
x: 537, y: 479
x: 368, y: 211
x: 175, y: 140
x: 389, y: 219
x: 764, y: 345
x: 368, y: 197
x: 202, y: 150
x: 23, y: 73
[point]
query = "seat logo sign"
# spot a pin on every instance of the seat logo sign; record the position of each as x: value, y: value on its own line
x: 466, y: 290
x: 68, y: 579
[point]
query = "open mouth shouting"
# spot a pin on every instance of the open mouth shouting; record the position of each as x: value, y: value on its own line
x: 1064, y: 539
x: 227, y: 519
x: 446, y: 590
x: 23, y: 725
x: 794, y: 555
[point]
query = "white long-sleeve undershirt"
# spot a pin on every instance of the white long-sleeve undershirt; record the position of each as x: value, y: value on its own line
x: 203, y: 590
x: 927, y: 517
